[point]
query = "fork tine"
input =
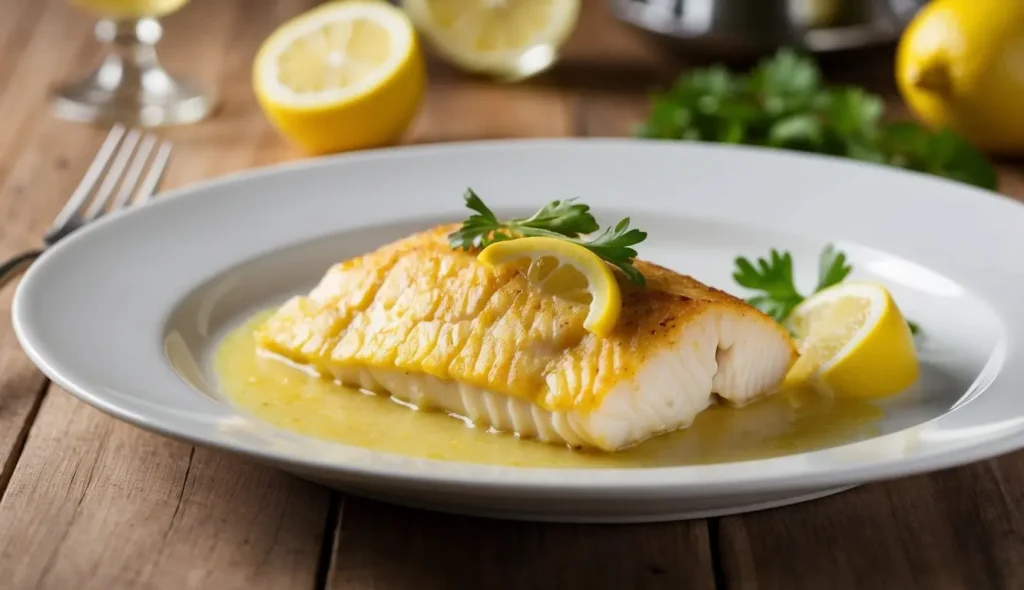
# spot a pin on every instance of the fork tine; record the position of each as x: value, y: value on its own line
x: 156, y: 173
x: 89, y: 179
x: 135, y: 169
x: 114, y: 173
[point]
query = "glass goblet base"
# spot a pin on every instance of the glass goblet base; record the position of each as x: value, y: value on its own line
x: 130, y: 86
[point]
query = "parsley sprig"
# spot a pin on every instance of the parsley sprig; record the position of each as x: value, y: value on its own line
x: 783, y: 103
x: 773, y: 278
x: 565, y: 220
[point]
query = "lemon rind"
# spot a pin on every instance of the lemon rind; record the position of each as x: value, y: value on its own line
x: 400, y: 31
x: 879, y: 299
x: 581, y: 257
x: 558, y: 30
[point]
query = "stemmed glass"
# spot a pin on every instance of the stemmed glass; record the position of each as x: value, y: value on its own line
x: 130, y: 86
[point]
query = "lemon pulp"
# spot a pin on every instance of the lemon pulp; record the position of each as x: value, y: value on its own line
x: 505, y: 38
x: 564, y: 270
x: 347, y: 75
x: 854, y: 342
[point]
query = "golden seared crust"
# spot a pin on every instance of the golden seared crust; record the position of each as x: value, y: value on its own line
x: 417, y: 305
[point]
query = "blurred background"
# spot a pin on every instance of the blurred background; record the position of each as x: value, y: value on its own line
x: 928, y: 85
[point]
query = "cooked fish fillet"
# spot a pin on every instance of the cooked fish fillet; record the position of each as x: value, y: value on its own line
x: 433, y: 327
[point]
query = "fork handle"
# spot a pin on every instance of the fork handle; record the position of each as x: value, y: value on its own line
x: 13, y: 267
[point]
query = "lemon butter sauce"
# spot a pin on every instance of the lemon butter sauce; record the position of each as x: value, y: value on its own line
x: 290, y: 398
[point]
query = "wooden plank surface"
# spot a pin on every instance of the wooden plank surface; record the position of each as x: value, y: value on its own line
x: 94, y: 503
x: 33, y: 183
x: 381, y: 547
x: 958, y: 528
x: 953, y: 529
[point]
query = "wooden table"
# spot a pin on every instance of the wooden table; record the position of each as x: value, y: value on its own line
x: 90, y: 502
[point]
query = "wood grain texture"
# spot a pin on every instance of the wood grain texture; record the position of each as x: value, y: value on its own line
x: 957, y: 528
x: 466, y: 110
x: 47, y: 40
x: 953, y: 529
x: 382, y: 547
x: 36, y: 163
x: 95, y: 503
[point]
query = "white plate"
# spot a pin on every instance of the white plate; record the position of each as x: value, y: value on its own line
x: 99, y: 312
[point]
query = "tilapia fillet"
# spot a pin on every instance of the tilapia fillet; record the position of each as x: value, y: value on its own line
x: 431, y: 326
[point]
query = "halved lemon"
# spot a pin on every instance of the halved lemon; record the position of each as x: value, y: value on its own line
x: 854, y: 342
x: 346, y: 75
x: 511, y: 38
x: 567, y: 271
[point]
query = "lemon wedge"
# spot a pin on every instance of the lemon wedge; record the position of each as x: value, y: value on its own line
x: 346, y: 75
x: 854, y: 342
x: 510, y: 38
x: 567, y: 271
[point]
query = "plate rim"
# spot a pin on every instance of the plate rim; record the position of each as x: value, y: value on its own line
x: 424, y: 476
x: 553, y: 478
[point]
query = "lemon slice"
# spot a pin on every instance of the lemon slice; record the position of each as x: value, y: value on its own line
x: 346, y: 75
x: 506, y: 37
x: 567, y: 271
x: 854, y: 342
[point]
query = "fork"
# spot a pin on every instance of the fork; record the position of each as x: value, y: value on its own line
x: 121, y: 175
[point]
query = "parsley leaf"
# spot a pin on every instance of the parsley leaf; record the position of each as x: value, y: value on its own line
x: 783, y: 102
x: 614, y: 247
x: 773, y: 278
x: 787, y: 74
x: 566, y: 220
x: 562, y: 217
x: 832, y: 268
x: 480, y: 229
x: 943, y: 154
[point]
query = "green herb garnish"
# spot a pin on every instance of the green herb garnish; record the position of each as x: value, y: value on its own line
x: 783, y: 103
x: 773, y: 277
x: 832, y: 267
x: 565, y: 220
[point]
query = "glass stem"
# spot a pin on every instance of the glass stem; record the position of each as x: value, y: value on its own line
x: 132, y: 62
x: 130, y: 86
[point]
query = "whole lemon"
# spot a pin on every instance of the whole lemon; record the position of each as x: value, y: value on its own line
x: 960, y: 64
